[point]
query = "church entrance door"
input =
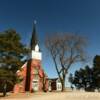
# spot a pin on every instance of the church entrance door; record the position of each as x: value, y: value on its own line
x: 35, y: 85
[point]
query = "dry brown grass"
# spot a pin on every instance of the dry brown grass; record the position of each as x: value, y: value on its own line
x: 75, y: 95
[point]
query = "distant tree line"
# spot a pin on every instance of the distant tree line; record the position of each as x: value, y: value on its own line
x: 87, y: 78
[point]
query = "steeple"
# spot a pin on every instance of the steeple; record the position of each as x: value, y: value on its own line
x: 34, y: 40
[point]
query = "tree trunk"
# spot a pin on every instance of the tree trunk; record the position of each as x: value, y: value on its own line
x: 63, y: 86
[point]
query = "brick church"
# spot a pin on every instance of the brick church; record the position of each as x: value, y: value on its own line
x: 31, y: 74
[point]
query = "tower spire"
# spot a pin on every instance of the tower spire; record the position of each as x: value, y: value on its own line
x: 34, y: 39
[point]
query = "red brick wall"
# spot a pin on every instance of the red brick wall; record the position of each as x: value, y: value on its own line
x: 21, y: 86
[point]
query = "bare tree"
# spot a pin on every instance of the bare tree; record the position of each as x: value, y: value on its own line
x: 65, y: 50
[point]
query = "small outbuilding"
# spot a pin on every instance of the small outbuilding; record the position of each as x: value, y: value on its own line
x: 54, y: 84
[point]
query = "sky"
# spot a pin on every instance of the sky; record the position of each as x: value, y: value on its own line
x: 77, y: 16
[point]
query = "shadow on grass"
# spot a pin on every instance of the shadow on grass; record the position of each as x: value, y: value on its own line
x: 1, y: 95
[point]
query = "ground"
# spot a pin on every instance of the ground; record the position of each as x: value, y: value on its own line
x: 75, y: 95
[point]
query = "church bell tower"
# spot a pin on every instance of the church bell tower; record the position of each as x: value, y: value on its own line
x: 35, y: 50
x: 35, y: 58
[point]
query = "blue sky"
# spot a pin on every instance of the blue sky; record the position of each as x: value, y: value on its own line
x: 77, y: 16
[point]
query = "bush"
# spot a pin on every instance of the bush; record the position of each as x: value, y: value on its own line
x: 9, y: 86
